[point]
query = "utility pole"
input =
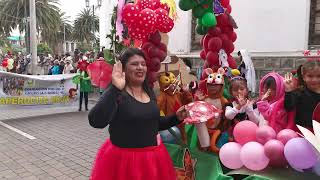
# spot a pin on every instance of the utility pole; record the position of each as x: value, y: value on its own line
x: 26, y: 33
x: 64, y: 39
x: 33, y: 36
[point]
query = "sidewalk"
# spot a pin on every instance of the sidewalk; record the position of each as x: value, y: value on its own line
x: 32, y: 112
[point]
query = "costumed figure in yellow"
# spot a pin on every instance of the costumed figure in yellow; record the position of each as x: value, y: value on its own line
x: 172, y: 96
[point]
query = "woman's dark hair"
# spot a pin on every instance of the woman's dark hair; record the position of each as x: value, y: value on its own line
x: 270, y: 82
x: 128, y: 53
x: 124, y: 58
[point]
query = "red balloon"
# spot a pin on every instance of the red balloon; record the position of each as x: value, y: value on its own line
x: 129, y: 13
x: 224, y: 37
x: 223, y: 20
x: 147, y: 45
x: 155, y: 4
x: 153, y: 52
x: 214, y: 31
x: 162, y: 17
x: 155, y: 38
x: 205, y: 44
x: 155, y: 64
x: 225, y: 3
x: 143, y: 4
x: 152, y: 77
x: 212, y: 58
x: 206, y: 65
x: 163, y: 47
x: 215, y: 44
x: 227, y: 29
x: 233, y: 36
x: 203, y: 55
x: 162, y: 55
x: 147, y: 20
x: 148, y: 60
x: 165, y: 7
x: 229, y: 9
x: 232, y: 62
x: 228, y: 46
x: 167, y: 27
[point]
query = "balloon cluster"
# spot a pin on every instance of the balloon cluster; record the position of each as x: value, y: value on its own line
x: 203, y: 11
x: 155, y: 52
x: 145, y: 17
x: 257, y: 147
x: 217, y: 48
x: 217, y: 26
x: 7, y: 64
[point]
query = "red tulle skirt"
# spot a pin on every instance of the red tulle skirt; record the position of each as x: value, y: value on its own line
x: 149, y: 163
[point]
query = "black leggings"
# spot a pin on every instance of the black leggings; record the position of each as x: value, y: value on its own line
x: 85, y: 94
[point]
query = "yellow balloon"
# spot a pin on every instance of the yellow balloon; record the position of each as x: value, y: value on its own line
x: 235, y: 72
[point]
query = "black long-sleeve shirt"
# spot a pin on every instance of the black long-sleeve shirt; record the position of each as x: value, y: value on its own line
x: 133, y: 124
x: 305, y: 101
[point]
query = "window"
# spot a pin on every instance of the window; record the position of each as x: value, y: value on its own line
x: 314, y: 26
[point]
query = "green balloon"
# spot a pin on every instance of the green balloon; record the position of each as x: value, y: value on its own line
x: 209, y: 19
x: 186, y: 5
x: 199, y: 30
x: 205, y: 29
x: 199, y: 21
x: 198, y: 11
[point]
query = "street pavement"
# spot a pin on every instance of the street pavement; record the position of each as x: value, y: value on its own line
x: 63, y: 144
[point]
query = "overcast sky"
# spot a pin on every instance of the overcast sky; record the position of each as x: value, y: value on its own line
x: 71, y: 7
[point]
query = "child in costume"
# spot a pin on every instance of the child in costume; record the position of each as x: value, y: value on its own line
x: 170, y: 99
x: 305, y: 100
x: 271, y: 104
x: 241, y: 107
x: 84, y: 82
x: 211, y: 91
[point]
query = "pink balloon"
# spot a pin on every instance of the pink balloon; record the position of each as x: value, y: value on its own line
x: 264, y: 134
x: 253, y: 157
x: 285, y: 135
x: 229, y: 155
x: 274, y: 151
x: 245, y: 131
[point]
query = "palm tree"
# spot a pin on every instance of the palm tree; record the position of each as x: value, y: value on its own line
x: 85, y: 26
x: 13, y: 13
x: 63, y: 32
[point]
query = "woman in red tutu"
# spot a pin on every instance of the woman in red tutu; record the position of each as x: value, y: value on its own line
x: 129, y: 107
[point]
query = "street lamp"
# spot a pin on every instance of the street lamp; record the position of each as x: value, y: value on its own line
x: 87, y: 3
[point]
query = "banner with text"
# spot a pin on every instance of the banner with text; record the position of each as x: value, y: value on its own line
x: 17, y: 90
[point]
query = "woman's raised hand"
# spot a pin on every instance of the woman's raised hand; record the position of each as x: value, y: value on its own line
x: 118, y: 76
